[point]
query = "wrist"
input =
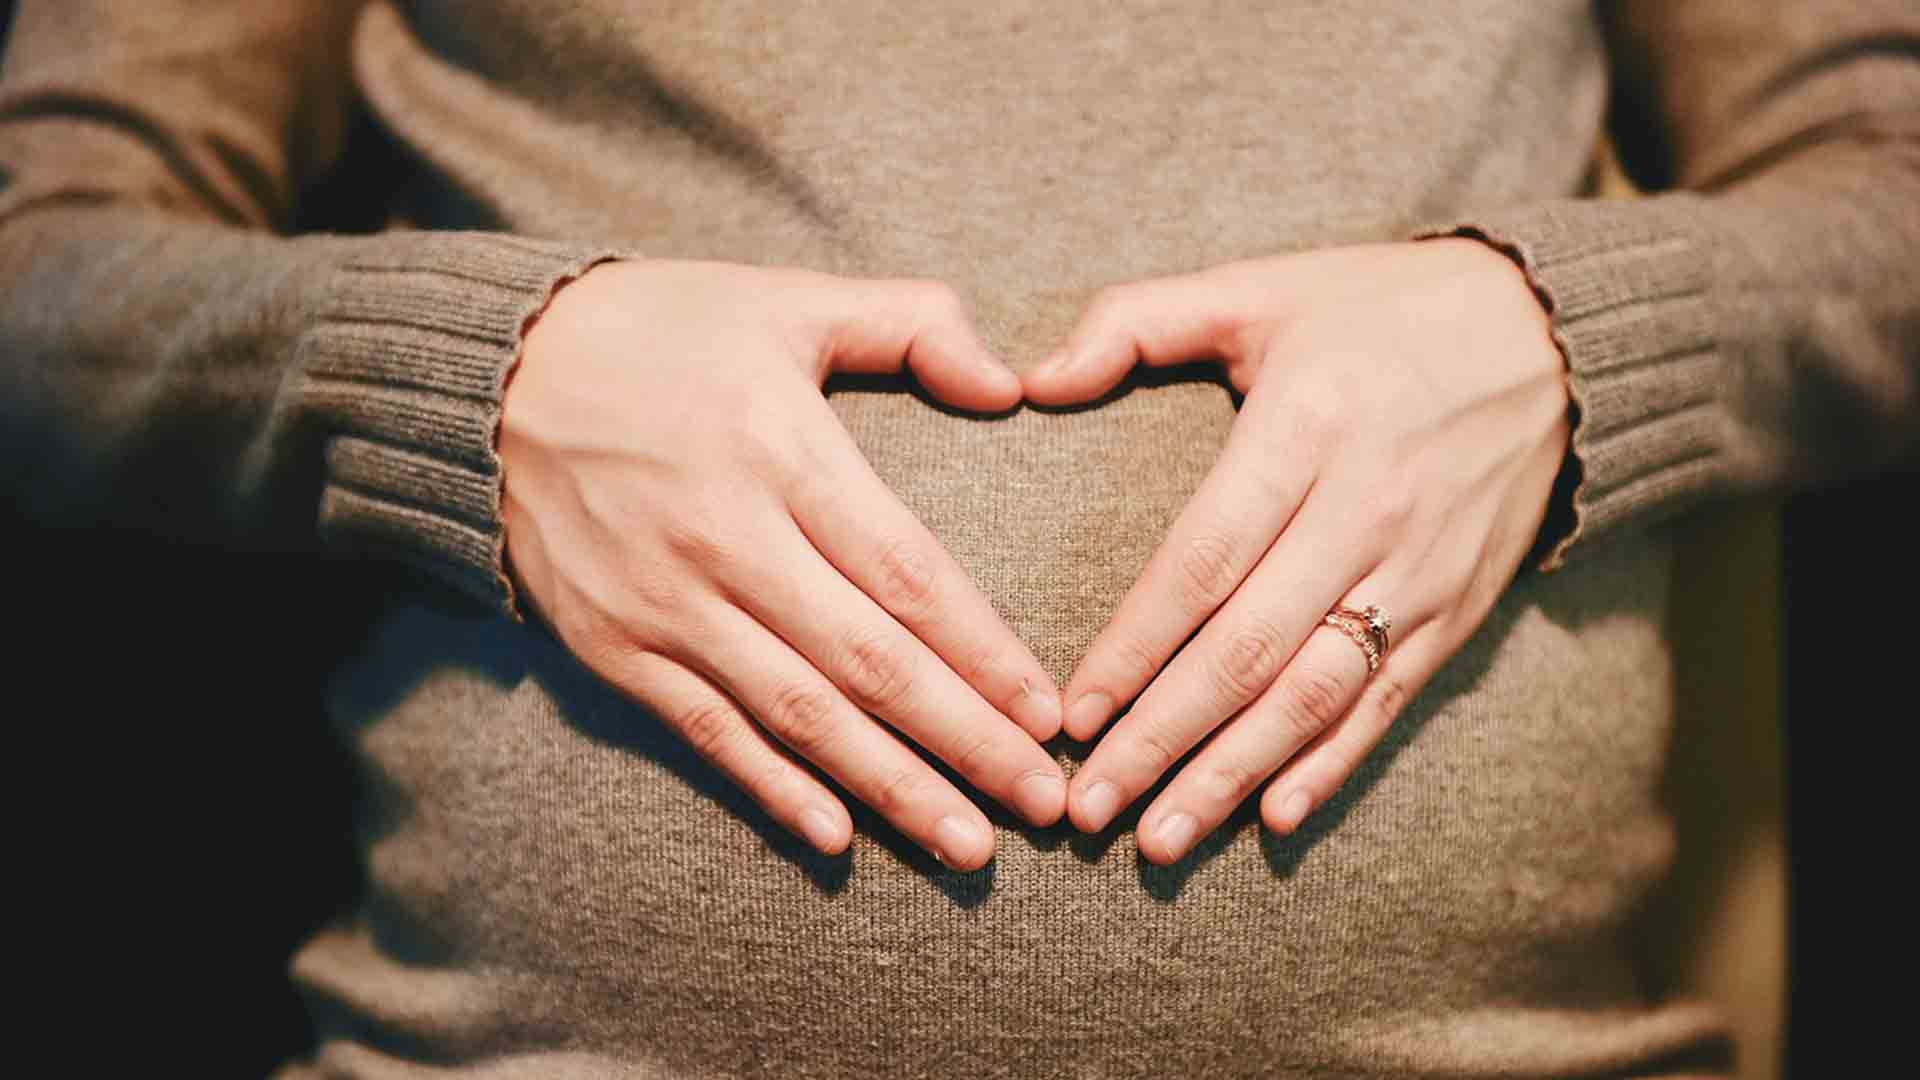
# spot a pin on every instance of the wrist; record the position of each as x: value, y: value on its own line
x: 1501, y: 274
x: 1510, y: 294
x: 543, y: 331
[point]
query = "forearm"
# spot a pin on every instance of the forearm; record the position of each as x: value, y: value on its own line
x: 1752, y: 325
x: 238, y: 387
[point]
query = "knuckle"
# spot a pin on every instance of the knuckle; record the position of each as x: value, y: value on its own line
x: 709, y: 729
x: 615, y: 645
x: 981, y: 667
x: 1392, y: 697
x: 1206, y: 571
x: 654, y: 593
x: 1318, y: 410
x: 1136, y: 659
x: 875, y: 669
x: 694, y: 536
x: 898, y: 791
x: 776, y: 786
x: 597, y: 636
x: 1160, y: 745
x: 1225, y: 783
x: 1278, y: 487
x: 1311, y: 699
x: 906, y: 577
x: 975, y: 755
x: 1392, y: 500
x: 767, y: 451
x: 804, y: 717
x: 1250, y: 660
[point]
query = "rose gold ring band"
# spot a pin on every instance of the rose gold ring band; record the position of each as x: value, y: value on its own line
x: 1366, y: 628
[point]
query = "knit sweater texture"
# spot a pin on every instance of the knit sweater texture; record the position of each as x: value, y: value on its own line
x: 264, y: 269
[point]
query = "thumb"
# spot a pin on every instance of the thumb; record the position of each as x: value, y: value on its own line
x: 1161, y: 322
x: 882, y: 326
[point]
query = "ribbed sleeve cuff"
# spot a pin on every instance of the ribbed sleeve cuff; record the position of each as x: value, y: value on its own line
x: 1624, y: 285
x: 404, y: 365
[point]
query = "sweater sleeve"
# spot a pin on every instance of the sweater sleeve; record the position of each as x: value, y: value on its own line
x: 170, y: 360
x: 1752, y: 322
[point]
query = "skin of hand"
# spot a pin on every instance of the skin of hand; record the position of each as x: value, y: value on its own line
x: 687, y: 514
x: 1406, y: 414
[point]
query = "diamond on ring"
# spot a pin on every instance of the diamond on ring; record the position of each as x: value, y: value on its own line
x: 1378, y: 623
x: 1367, y: 629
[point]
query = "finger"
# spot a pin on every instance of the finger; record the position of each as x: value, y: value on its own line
x: 878, y: 326
x: 890, y: 673
x: 1169, y: 320
x: 1311, y: 778
x: 866, y: 532
x: 1231, y: 661
x: 1231, y: 521
x: 718, y: 731
x: 1318, y: 686
x: 809, y: 714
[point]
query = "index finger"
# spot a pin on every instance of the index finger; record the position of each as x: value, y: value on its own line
x: 866, y: 532
x: 1242, y: 505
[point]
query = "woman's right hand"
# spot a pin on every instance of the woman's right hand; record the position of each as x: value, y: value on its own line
x: 688, y: 515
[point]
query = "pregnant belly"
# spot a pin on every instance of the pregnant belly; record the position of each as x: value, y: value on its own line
x: 557, y: 887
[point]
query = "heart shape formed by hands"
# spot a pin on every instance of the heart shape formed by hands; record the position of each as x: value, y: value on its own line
x: 735, y: 564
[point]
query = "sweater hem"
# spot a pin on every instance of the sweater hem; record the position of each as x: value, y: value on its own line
x: 1625, y: 293
x: 406, y: 366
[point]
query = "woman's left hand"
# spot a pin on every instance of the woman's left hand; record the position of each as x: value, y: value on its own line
x: 1405, y: 418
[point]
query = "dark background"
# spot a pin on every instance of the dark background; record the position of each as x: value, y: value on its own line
x: 182, y: 815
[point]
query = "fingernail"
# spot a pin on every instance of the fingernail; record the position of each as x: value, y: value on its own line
x: 1175, y: 834
x: 1294, y: 810
x: 818, y: 827
x: 1088, y: 714
x: 1041, y: 797
x: 1038, y: 708
x: 954, y: 839
x: 1098, y: 804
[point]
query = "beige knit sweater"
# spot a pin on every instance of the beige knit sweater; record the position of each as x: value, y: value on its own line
x: 556, y: 887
